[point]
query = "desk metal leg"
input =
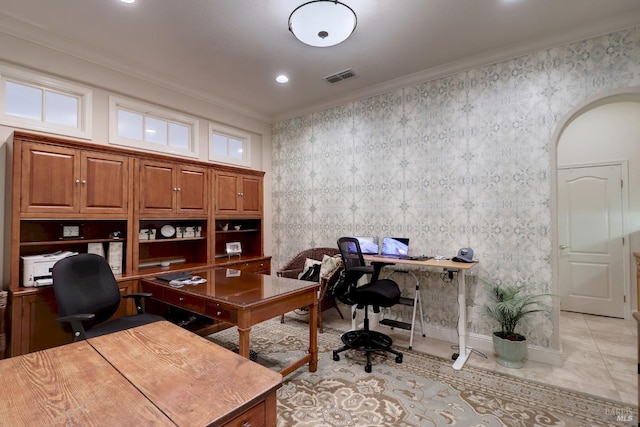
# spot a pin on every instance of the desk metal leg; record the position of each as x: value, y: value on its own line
x: 462, y: 323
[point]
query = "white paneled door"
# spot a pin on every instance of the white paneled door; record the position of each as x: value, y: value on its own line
x: 590, y: 227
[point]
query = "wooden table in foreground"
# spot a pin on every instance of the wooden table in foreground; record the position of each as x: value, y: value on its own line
x: 157, y: 374
x: 244, y: 299
x: 462, y: 267
x: 190, y: 379
x: 70, y: 385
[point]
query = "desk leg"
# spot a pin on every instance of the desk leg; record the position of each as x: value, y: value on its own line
x: 313, y: 336
x: 462, y: 323
x: 243, y: 341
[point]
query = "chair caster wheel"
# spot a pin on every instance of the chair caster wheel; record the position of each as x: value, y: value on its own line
x: 398, y: 359
x: 336, y: 356
x: 367, y: 369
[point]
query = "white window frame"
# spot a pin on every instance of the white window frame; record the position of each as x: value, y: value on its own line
x: 83, y: 94
x: 148, y: 110
x: 216, y: 128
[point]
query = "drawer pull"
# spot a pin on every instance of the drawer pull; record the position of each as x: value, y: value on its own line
x: 218, y: 313
x: 246, y: 424
x: 181, y: 299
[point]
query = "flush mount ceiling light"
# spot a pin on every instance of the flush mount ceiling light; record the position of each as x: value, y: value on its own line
x: 322, y: 23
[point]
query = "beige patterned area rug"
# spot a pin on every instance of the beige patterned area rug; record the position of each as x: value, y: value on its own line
x: 422, y: 391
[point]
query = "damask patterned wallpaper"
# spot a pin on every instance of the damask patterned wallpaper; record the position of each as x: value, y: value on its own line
x: 463, y: 160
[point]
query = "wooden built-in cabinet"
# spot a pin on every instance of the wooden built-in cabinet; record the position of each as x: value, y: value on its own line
x: 58, y: 180
x: 112, y: 194
x: 168, y: 189
x: 238, y: 194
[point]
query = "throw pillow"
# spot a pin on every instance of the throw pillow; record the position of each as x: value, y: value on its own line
x: 329, y: 264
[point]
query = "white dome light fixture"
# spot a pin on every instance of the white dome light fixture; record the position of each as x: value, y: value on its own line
x: 322, y: 23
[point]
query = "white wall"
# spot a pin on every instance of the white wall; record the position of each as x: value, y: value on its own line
x: 105, y: 82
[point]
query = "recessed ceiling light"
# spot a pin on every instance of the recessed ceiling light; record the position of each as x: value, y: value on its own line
x: 128, y: 1
x: 282, y: 78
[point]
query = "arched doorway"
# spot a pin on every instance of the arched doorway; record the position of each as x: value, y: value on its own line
x: 600, y: 136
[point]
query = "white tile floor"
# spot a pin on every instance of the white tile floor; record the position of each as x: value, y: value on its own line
x: 600, y: 355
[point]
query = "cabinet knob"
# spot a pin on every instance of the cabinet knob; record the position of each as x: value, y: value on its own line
x: 77, y: 181
x: 246, y: 424
x: 178, y: 189
x: 84, y: 181
x: 181, y: 299
x: 240, y: 194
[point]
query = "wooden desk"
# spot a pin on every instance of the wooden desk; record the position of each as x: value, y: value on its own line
x: 464, y: 352
x: 156, y: 374
x: 190, y: 379
x: 71, y: 385
x: 245, y: 299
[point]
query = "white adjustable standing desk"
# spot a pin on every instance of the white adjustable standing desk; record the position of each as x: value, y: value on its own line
x: 378, y: 262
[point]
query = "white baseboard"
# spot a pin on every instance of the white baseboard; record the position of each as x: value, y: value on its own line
x: 481, y: 343
x: 484, y: 344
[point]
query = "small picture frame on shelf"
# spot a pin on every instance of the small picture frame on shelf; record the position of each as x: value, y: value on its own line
x: 234, y: 248
x: 147, y: 234
x: 71, y: 231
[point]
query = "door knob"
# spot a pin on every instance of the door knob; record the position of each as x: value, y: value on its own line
x: 563, y: 247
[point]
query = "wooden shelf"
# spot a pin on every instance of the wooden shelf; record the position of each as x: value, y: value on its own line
x: 69, y: 241
x: 173, y: 239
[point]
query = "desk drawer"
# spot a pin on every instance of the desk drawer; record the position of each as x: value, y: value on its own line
x: 261, y: 266
x: 254, y: 417
x: 157, y: 291
x: 220, y: 312
x: 184, y: 300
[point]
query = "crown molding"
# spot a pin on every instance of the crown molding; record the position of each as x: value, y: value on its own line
x: 469, y: 63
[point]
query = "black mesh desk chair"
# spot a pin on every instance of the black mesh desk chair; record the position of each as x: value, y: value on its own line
x: 378, y: 293
x: 88, y: 295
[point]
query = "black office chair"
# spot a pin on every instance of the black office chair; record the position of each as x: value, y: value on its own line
x: 377, y: 293
x: 88, y: 295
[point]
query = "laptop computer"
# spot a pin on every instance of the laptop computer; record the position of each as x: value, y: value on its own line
x: 395, y: 247
x: 368, y: 245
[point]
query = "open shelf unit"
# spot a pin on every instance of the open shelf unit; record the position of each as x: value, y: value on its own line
x: 176, y: 249
x: 42, y: 236
x: 247, y: 232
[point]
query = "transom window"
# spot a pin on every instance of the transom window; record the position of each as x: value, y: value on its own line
x: 229, y: 145
x: 33, y: 101
x: 148, y: 127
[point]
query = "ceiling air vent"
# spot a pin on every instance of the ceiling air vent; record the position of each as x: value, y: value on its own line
x: 342, y: 75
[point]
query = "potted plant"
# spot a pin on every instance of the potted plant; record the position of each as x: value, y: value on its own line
x: 509, y: 305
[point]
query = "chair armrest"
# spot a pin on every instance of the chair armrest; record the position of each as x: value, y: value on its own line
x: 76, y: 324
x: 291, y: 274
x: 137, y: 298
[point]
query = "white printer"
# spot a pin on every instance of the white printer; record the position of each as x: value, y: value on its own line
x: 36, y: 269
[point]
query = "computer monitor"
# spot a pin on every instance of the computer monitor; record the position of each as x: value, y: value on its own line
x: 395, y: 246
x: 368, y: 245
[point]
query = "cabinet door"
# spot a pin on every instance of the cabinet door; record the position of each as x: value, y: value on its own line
x: 104, y: 183
x: 34, y: 326
x: 192, y: 190
x: 127, y: 305
x: 50, y: 180
x: 227, y: 194
x: 157, y: 189
x: 251, y: 195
